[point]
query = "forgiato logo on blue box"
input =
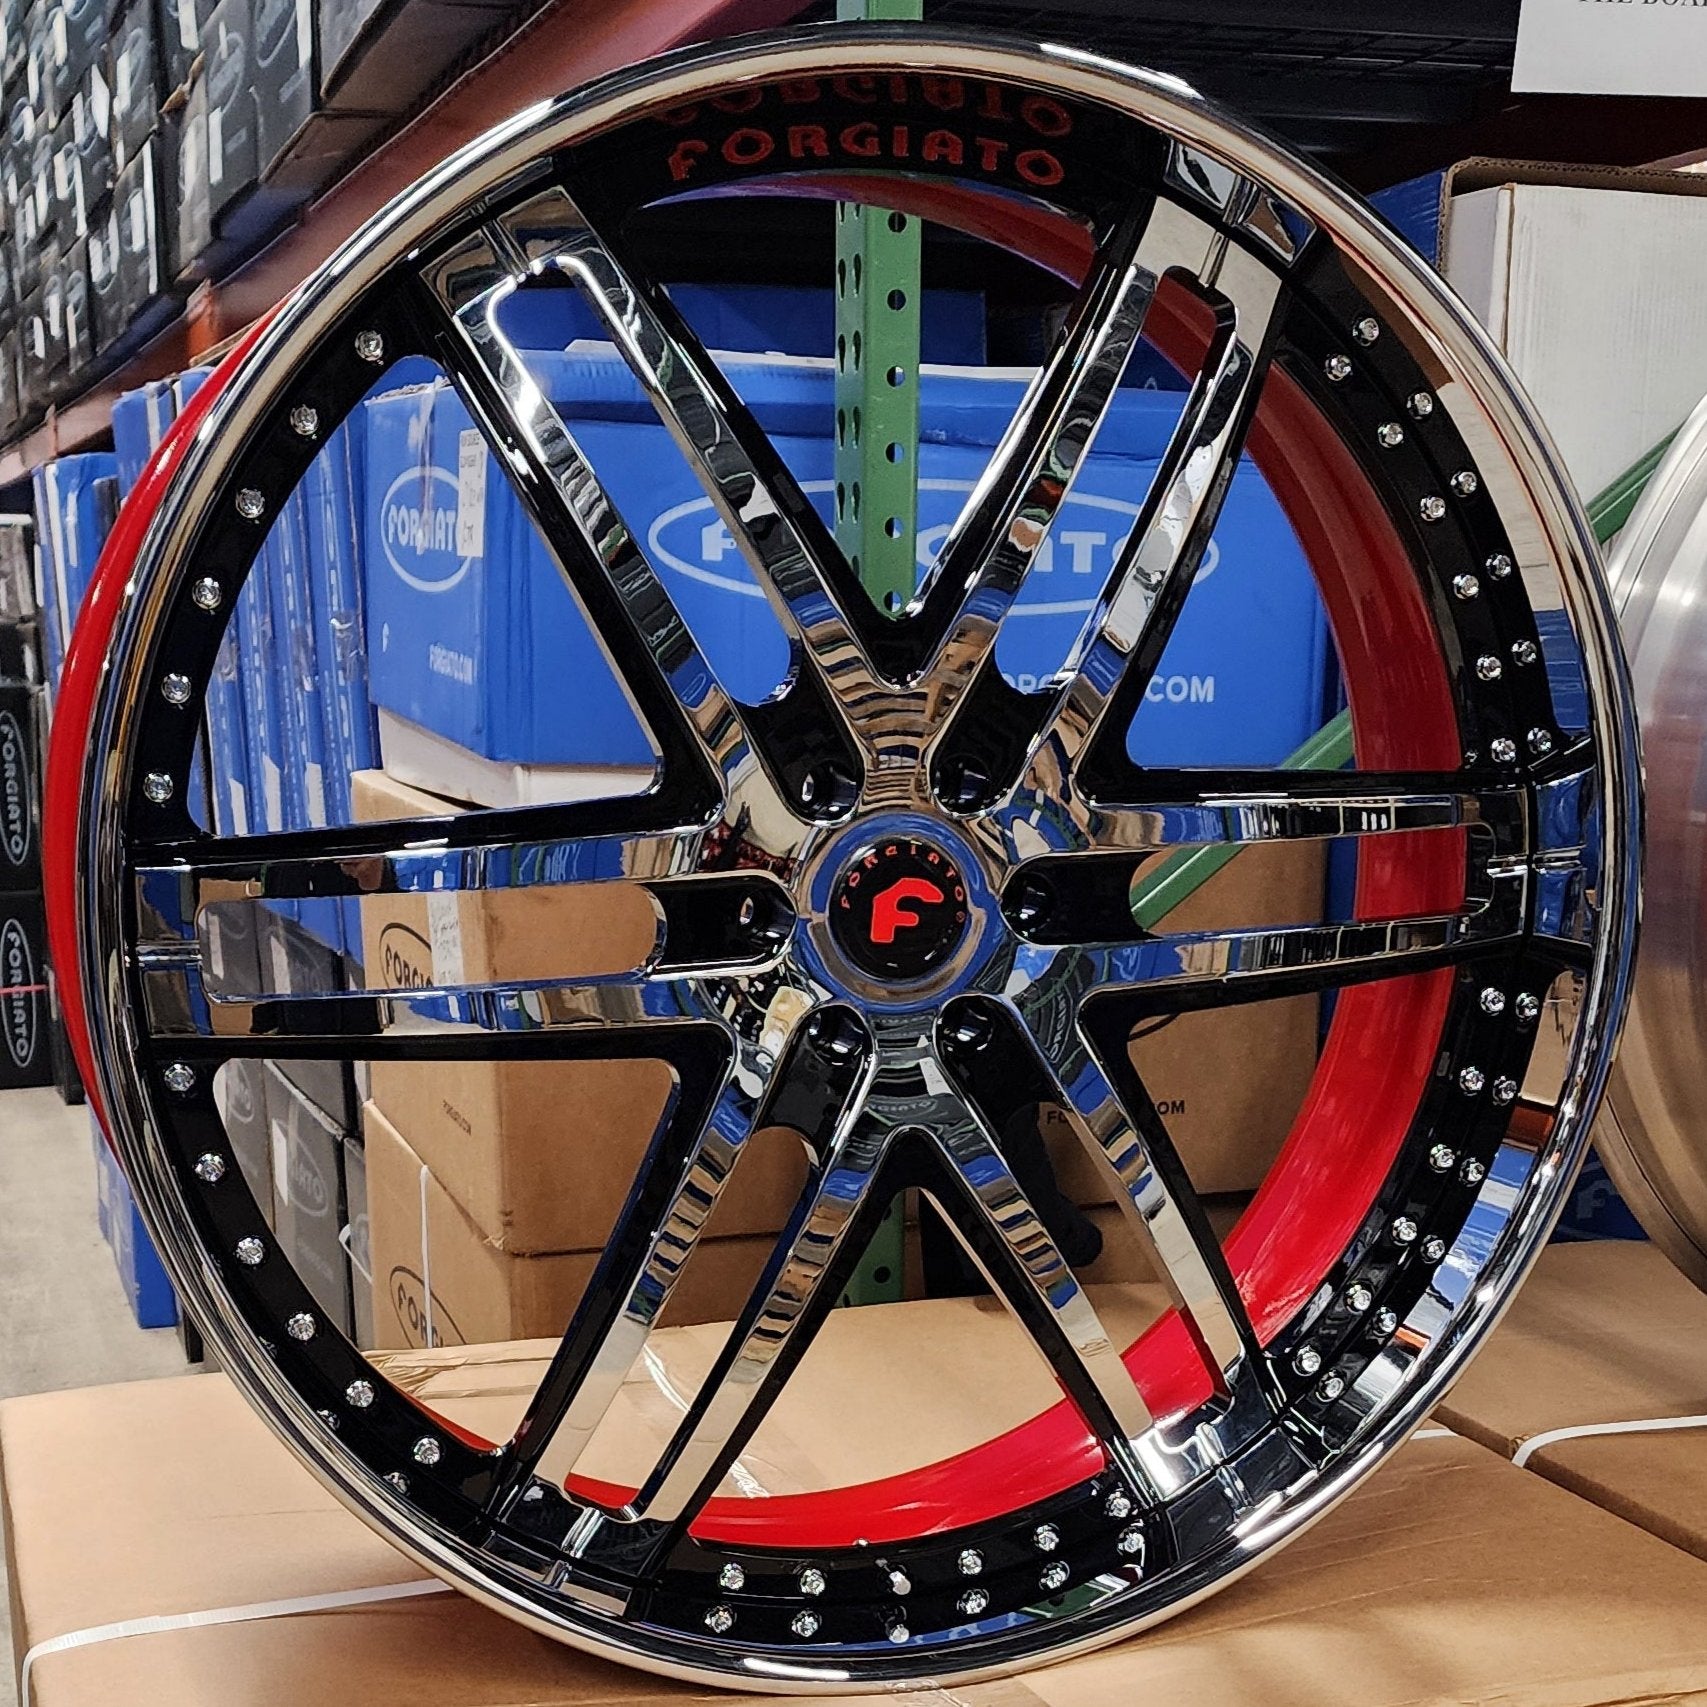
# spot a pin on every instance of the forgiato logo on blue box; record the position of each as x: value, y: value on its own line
x: 473, y: 636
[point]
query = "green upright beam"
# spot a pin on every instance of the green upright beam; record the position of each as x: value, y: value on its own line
x: 877, y: 465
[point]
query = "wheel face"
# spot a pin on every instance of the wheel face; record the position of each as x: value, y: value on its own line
x: 1646, y: 1134
x: 893, y: 902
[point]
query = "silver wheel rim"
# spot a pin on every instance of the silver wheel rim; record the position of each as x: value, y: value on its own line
x: 540, y: 1557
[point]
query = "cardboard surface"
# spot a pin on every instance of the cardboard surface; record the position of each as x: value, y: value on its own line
x: 482, y: 1293
x: 1451, y: 1577
x: 1602, y: 1333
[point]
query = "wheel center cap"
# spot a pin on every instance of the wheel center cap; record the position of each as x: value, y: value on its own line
x: 899, y: 909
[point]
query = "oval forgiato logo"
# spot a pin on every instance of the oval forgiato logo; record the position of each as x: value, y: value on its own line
x: 691, y: 539
x: 15, y: 835
x: 419, y: 538
x: 18, y: 979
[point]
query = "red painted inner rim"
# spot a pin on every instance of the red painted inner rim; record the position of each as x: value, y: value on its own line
x: 1382, y: 1043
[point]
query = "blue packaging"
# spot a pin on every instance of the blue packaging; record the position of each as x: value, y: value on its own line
x: 472, y: 636
x: 1413, y: 210
x: 140, y: 420
x: 75, y: 500
x: 143, y: 1276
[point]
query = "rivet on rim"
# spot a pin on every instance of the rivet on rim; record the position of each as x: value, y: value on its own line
x: 805, y: 1624
x: 900, y: 1583
x: 158, y: 787
x: 300, y: 1326
x: 1525, y: 652
x: 206, y: 592
x: 1367, y: 330
x: 1473, y: 1172
x: 1465, y: 483
x: 1330, y: 1386
x: 251, y: 506
x: 370, y: 346
x: 210, y: 1167
x: 1466, y: 586
x: 971, y: 1562
x: 1307, y: 1360
x: 305, y: 420
x: 250, y: 1250
x: 1389, y: 435
x: 972, y: 1602
x: 1503, y: 750
x: 1420, y: 404
x: 720, y: 1620
x: 175, y: 688
x: 732, y: 1577
x: 1540, y: 742
x: 1404, y: 1230
x: 1337, y: 367
x: 1046, y: 1537
x: 1385, y: 1322
x: 1131, y: 1542
x: 1118, y: 1504
x: 812, y: 1580
x: 180, y: 1076
x: 1528, y: 1008
x: 1471, y: 1080
x: 427, y: 1450
x: 1433, y: 1248
x: 1504, y: 1091
x: 1499, y: 565
x: 399, y: 1481
x: 1488, y: 667
x: 1433, y: 509
x: 1492, y: 1000
x: 1053, y: 1576
x: 1441, y: 1158
x: 360, y: 1394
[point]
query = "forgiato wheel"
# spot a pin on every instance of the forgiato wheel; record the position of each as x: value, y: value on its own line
x: 1647, y: 1135
x: 932, y: 866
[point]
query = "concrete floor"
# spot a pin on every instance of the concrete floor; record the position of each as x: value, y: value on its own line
x: 64, y: 1320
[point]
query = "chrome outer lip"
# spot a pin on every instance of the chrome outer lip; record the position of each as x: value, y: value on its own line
x: 1445, y: 337
x: 1656, y: 1105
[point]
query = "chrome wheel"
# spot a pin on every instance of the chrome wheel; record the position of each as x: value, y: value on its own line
x: 1649, y: 1130
x: 935, y: 866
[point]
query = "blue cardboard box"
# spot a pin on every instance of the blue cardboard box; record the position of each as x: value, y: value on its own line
x: 76, y: 498
x: 149, y: 1292
x: 140, y: 420
x: 472, y: 636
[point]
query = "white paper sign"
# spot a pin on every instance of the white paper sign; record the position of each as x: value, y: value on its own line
x: 470, y: 494
x: 1611, y: 47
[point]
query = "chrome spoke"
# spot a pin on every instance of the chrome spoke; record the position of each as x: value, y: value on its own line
x: 1006, y: 1235
x: 585, y: 531
x: 1127, y: 1138
x: 815, y: 594
x: 675, y: 1194
x: 1007, y: 516
x: 799, y: 1284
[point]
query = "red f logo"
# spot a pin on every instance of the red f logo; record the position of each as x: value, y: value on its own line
x: 889, y: 916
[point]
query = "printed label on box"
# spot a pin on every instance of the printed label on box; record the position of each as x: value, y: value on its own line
x: 471, y: 494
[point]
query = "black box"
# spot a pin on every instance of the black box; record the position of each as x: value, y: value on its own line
x: 77, y: 33
x: 240, y: 1091
x: 80, y: 343
x: 42, y: 185
x: 92, y: 131
x: 177, y: 36
x: 67, y: 1079
x: 383, y: 56
x: 145, y: 244
x: 308, y: 1191
x: 70, y: 216
x: 134, y: 78
x: 193, y: 225
x: 41, y: 363
x: 11, y: 404
x: 300, y: 145
x: 20, y: 787
x: 38, y: 56
x: 25, y: 1022
x: 106, y: 298
x: 18, y: 570
x: 20, y: 652
x: 14, y: 19
x: 232, y: 161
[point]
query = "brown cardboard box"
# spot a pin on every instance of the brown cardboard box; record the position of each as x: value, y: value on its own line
x: 482, y: 1293
x: 1451, y: 1577
x: 541, y: 1154
x: 1607, y: 1332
